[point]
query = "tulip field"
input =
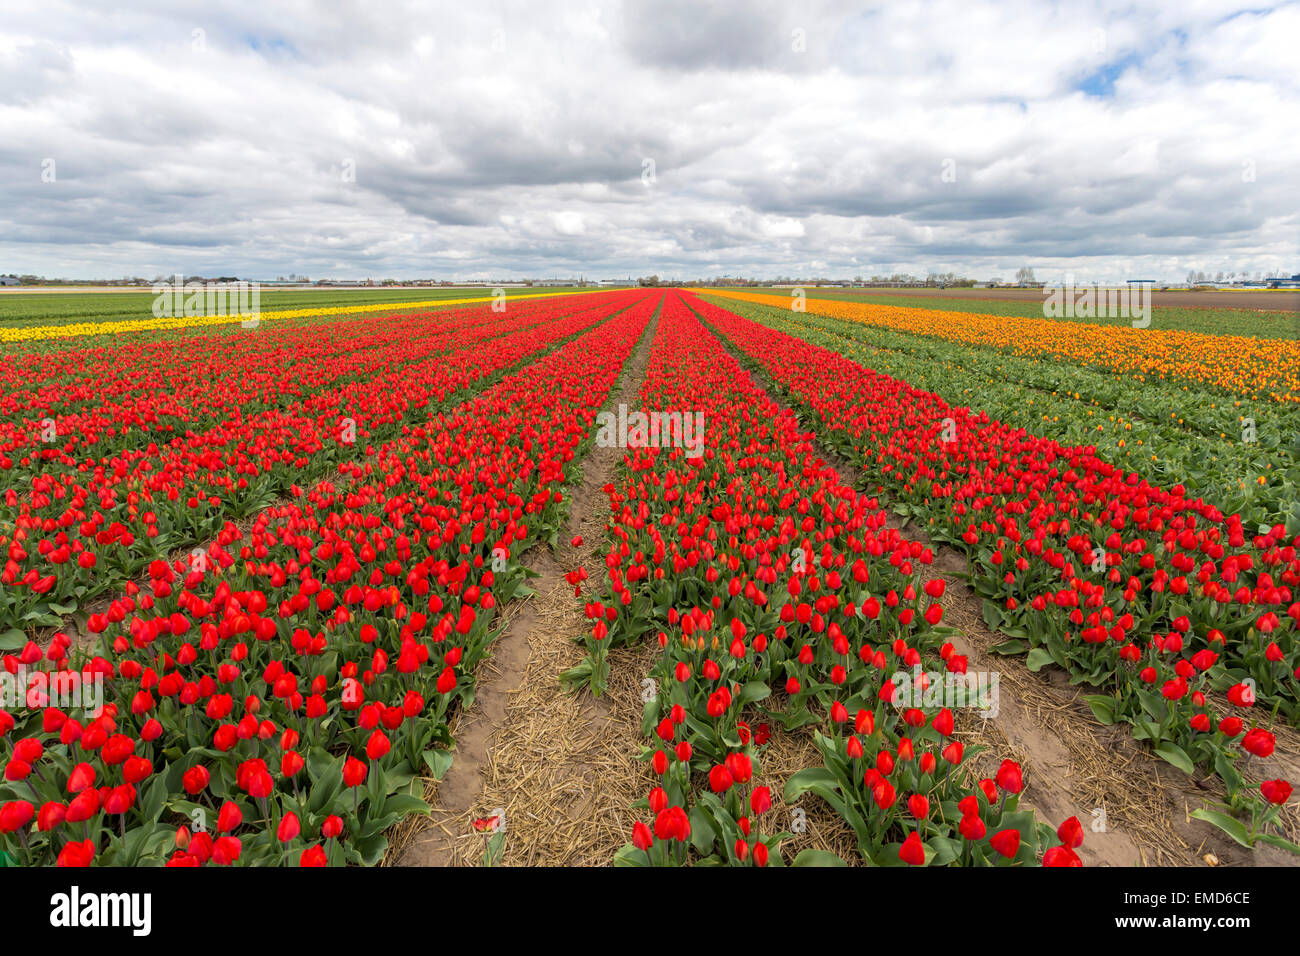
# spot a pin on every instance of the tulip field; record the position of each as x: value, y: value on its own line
x: 280, y: 557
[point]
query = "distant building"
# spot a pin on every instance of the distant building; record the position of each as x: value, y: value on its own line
x: 9, y: 280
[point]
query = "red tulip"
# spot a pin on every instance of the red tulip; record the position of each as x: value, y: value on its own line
x: 740, y: 767
x: 883, y: 794
x: 195, y: 780
x: 1258, y: 742
x: 51, y: 815
x: 229, y: 817
x: 641, y: 836
x: 15, y: 815
x: 1061, y: 856
x: 1009, y: 777
x: 136, y: 769
x: 354, y: 772
x: 226, y: 850
x: 659, y: 762
x: 1276, y: 791
x: 1241, y: 695
x: 81, y: 777
x: 1070, y: 833
x: 378, y: 745
x: 119, y: 800
x: 77, y: 854
x: 313, y: 856
x: 912, y: 852
x: 971, y: 827
x: 1006, y: 843
x: 291, y: 763
x: 29, y: 750
x: 720, y: 779
x: 673, y: 824
x: 117, y: 748
x: 289, y: 827
x: 84, y: 806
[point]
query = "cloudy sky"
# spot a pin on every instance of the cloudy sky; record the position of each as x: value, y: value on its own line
x: 495, y: 139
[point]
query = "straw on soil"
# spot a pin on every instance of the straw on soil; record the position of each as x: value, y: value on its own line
x: 562, y: 767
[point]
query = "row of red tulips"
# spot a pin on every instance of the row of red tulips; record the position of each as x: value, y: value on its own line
x: 779, y: 596
x: 82, y: 527
x: 1188, y: 626
x: 276, y: 702
x: 111, y: 401
x: 166, y: 385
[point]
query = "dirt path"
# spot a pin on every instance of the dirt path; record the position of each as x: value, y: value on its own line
x: 1134, y: 808
x: 561, y: 766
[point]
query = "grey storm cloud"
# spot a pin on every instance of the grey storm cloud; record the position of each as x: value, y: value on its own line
x: 409, y: 139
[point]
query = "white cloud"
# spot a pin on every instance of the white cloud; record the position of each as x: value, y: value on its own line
x: 502, y: 138
x: 569, y: 224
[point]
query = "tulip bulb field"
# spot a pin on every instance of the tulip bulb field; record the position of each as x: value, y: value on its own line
x: 649, y: 577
